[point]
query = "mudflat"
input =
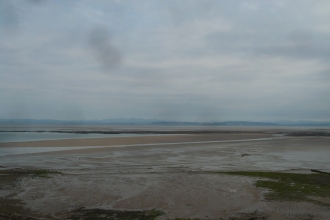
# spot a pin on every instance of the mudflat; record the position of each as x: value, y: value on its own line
x: 181, y: 176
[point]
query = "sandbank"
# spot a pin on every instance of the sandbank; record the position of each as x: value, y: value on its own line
x: 137, y: 140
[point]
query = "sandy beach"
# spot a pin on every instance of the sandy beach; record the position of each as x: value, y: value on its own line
x: 177, y: 174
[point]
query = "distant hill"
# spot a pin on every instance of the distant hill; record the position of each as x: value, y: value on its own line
x: 244, y: 123
x: 141, y: 121
x: 78, y: 122
x: 226, y: 123
x: 303, y: 123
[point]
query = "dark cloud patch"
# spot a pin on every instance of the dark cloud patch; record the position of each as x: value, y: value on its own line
x: 301, y: 37
x: 100, y: 42
x: 12, y: 13
x: 147, y: 78
x: 37, y: 1
x: 305, y: 52
x: 300, y: 44
x: 323, y: 76
x: 181, y: 11
x: 231, y: 42
x: 9, y: 16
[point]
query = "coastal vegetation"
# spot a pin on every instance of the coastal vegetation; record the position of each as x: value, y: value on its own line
x: 11, y: 208
x: 89, y: 214
x: 280, y: 186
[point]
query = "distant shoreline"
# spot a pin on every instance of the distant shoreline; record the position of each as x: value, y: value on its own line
x: 155, y: 122
x: 287, y: 133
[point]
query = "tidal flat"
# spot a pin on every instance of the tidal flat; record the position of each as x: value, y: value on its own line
x: 250, y: 174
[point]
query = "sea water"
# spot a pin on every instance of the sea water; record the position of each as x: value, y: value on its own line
x: 37, y: 136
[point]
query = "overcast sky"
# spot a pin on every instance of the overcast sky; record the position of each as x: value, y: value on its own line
x: 168, y: 60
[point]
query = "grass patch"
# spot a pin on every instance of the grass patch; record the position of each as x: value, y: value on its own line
x: 291, y: 186
x: 26, y: 172
x: 185, y: 219
x: 249, y: 216
x: 103, y: 214
x: 10, y: 177
x: 13, y: 208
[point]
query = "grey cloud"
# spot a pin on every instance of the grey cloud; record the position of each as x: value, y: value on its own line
x: 184, y: 60
x: 271, y: 29
x: 100, y: 42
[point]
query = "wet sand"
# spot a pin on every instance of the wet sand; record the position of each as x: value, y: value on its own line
x: 169, y: 174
